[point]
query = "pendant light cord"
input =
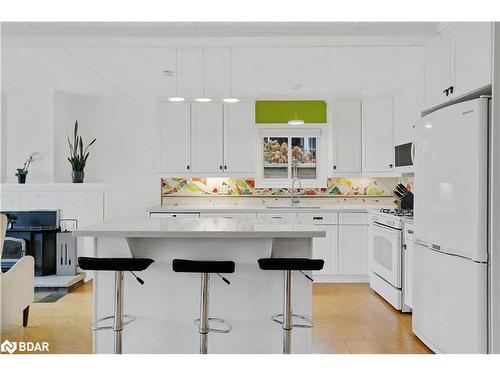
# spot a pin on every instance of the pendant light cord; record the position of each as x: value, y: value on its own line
x: 203, y: 72
x: 230, y: 73
x: 177, y: 71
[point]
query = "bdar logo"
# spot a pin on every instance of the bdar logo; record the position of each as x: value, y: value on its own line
x: 8, y: 346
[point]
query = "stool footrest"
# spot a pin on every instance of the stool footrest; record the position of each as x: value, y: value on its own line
x: 126, y: 320
x: 226, y: 326
x: 278, y: 318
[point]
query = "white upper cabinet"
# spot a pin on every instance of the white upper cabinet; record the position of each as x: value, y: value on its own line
x: 437, y: 73
x: 377, y: 135
x: 472, y: 57
x: 458, y: 63
x: 239, y: 138
x: 407, y: 108
x: 346, y: 119
x: 206, y: 137
x: 175, y: 135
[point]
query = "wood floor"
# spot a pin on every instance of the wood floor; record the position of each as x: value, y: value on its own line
x: 352, y: 318
x: 349, y: 318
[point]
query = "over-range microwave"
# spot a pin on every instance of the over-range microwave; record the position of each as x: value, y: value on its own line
x: 404, y: 155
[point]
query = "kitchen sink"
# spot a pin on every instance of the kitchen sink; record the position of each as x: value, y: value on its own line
x: 293, y: 208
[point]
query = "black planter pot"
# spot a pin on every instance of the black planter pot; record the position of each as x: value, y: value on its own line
x: 77, y: 177
x: 21, y: 178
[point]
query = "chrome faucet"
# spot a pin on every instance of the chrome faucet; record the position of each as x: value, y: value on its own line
x: 294, y: 200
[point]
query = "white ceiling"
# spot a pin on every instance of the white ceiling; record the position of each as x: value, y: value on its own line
x: 258, y: 71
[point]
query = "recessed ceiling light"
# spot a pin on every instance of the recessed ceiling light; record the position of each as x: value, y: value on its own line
x: 203, y: 100
x: 168, y: 73
x: 176, y: 99
x: 231, y: 100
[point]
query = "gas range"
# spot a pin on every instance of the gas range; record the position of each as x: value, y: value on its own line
x: 392, y: 218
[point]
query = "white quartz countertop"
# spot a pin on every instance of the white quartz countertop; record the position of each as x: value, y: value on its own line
x: 201, y: 228
x: 275, y: 208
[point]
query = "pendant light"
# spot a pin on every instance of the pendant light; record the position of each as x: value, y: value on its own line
x: 231, y: 98
x: 176, y: 98
x: 203, y: 98
x: 295, y: 121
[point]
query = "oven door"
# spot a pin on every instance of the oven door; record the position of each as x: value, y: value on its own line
x: 385, y: 253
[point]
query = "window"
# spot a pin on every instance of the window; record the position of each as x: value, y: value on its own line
x: 287, y: 154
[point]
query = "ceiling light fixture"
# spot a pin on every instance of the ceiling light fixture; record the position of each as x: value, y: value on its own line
x: 176, y: 98
x: 203, y: 98
x: 231, y: 98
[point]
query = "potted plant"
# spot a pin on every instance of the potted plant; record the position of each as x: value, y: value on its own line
x: 22, y: 172
x: 78, y: 155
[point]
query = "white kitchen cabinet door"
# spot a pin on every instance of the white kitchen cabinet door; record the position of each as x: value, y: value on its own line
x: 206, y: 137
x: 472, y: 57
x: 378, y: 135
x: 175, y: 137
x: 346, y: 119
x: 353, y: 250
x: 407, y: 109
x: 437, y: 72
x: 239, y: 138
x: 326, y: 248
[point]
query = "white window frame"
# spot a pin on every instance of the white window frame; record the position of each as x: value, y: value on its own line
x: 291, y: 132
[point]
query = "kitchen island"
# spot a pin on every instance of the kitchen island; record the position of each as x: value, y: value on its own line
x: 168, y: 303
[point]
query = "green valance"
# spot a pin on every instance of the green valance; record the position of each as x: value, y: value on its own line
x: 281, y: 111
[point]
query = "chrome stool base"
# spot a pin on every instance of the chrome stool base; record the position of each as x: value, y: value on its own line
x: 226, y: 326
x: 308, y: 322
x: 95, y: 326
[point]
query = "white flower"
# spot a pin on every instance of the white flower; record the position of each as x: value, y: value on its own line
x: 32, y: 156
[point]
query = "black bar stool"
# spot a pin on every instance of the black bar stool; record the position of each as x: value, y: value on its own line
x: 206, y: 268
x: 288, y: 265
x: 118, y: 265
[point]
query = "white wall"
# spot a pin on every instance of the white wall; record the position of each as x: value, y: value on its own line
x: 3, y: 137
x: 125, y: 154
x: 30, y: 127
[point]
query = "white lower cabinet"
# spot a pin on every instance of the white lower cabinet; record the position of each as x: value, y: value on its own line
x: 353, y: 250
x: 326, y: 248
x: 345, y: 247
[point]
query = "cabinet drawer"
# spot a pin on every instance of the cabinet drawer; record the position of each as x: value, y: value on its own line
x: 230, y: 215
x: 277, y: 216
x: 353, y: 218
x: 174, y: 214
x: 319, y: 217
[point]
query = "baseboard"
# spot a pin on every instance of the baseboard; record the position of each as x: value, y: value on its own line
x: 341, y: 278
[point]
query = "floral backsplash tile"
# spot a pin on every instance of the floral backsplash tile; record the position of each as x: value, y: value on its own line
x: 339, y: 186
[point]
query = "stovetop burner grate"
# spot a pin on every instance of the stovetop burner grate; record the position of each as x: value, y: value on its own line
x: 397, y: 212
